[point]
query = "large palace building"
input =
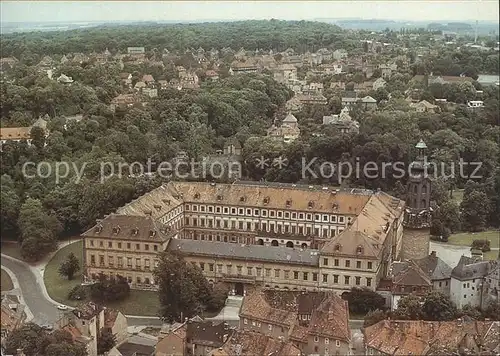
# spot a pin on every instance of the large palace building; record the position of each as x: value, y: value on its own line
x: 247, y: 234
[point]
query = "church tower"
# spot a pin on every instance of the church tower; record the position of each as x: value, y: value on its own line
x: 418, y: 212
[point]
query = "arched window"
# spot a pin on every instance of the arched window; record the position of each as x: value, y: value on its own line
x: 289, y: 244
x: 274, y: 243
x: 359, y: 250
x: 338, y: 247
x: 424, y: 189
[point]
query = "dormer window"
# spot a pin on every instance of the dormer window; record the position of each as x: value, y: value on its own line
x: 157, y: 207
x: 266, y: 200
x: 242, y: 199
x: 135, y: 231
x: 338, y: 247
x: 148, y: 212
x: 335, y: 206
x: 98, y: 228
x: 288, y: 203
x: 116, y: 230
x: 152, y: 233
x: 219, y: 197
x: 166, y: 201
x: 197, y: 196
x: 310, y: 205
x: 359, y: 250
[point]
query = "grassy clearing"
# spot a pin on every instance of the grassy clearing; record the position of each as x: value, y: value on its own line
x: 6, y: 282
x: 490, y: 255
x: 465, y: 239
x: 138, y: 303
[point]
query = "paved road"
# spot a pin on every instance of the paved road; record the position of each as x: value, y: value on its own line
x: 44, y: 312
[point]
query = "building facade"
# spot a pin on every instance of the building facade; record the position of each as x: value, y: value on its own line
x: 280, y: 236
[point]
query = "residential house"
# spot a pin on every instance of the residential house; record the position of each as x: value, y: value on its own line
x: 46, y: 63
x: 132, y: 348
x: 475, y: 104
x: 249, y: 343
x: 13, y: 316
x: 85, y: 322
x: 308, y: 99
x: 126, y: 79
x: 366, y: 103
x: 64, y: 79
x: 424, y: 106
x: 212, y: 75
x: 150, y: 92
x: 406, y: 278
x: 325, y: 54
x: 139, y: 86
x: 19, y: 134
x: 7, y: 64
x: 195, y: 338
x: 136, y: 50
x: 288, y: 131
x: 315, y: 88
x: 343, y: 122
x: 469, y: 282
x: 317, y: 323
x: 379, y: 83
x: 148, y: 79
x: 79, y: 58
x: 164, y: 84
x: 387, y: 70
x: 124, y: 101
x: 445, y: 79
x: 418, y: 337
x: 173, y: 343
x: 332, y: 68
x: 294, y: 105
x: 339, y: 54
x: 232, y: 147
x: 438, y: 271
x: 248, y: 66
x: 285, y: 73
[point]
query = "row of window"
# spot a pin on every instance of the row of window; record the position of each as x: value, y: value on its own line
x: 127, y: 246
x: 277, y: 273
x: 171, y: 214
x: 138, y: 280
x: 120, y: 262
x: 278, y: 228
x: 347, y: 263
x: 267, y: 213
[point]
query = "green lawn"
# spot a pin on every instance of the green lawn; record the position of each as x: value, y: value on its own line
x: 6, y: 282
x: 11, y: 249
x: 465, y: 239
x: 138, y: 303
x: 490, y: 255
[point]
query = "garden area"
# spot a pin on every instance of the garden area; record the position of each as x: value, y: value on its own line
x: 136, y: 303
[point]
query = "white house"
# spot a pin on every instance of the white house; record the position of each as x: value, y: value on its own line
x: 469, y: 283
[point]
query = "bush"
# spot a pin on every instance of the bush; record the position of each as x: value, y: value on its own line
x: 363, y: 300
x: 218, y: 297
x: 481, y: 244
x: 78, y: 292
x: 109, y: 289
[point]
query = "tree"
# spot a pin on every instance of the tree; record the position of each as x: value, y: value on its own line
x: 373, y: 317
x: 470, y: 311
x: 38, y: 230
x: 70, y: 266
x: 474, y: 211
x: 36, y: 341
x: 363, y: 300
x: 109, y: 289
x: 409, y: 308
x: 10, y: 206
x: 184, y: 291
x: 106, y: 340
x: 439, y: 307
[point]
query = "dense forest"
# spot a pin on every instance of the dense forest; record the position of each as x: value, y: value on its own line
x: 266, y: 35
x: 38, y: 210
